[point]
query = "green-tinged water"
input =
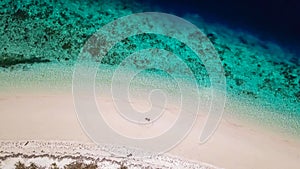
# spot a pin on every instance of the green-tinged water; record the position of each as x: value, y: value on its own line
x: 258, y: 73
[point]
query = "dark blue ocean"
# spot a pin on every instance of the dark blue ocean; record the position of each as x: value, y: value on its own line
x: 275, y: 20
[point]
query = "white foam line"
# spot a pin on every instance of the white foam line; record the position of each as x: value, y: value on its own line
x: 66, y: 150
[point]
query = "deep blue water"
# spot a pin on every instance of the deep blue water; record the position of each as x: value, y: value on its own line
x: 273, y: 20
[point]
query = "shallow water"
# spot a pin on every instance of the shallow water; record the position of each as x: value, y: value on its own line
x: 258, y: 71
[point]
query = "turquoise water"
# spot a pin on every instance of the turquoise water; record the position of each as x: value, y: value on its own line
x: 260, y: 72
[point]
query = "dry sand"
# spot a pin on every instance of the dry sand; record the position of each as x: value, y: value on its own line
x: 45, y: 116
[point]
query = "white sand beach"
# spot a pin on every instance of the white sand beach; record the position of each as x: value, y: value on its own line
x: 46, y: 113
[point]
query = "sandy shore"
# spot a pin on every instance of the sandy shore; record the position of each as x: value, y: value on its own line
x: 36, y: 105
x: 44, y: 116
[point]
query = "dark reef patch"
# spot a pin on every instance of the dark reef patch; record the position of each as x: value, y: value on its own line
x: 21, y: 14
x: 212, y: 37
x: 8, y: 60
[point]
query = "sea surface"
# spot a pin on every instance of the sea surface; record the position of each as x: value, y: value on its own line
x: 257, y: 44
